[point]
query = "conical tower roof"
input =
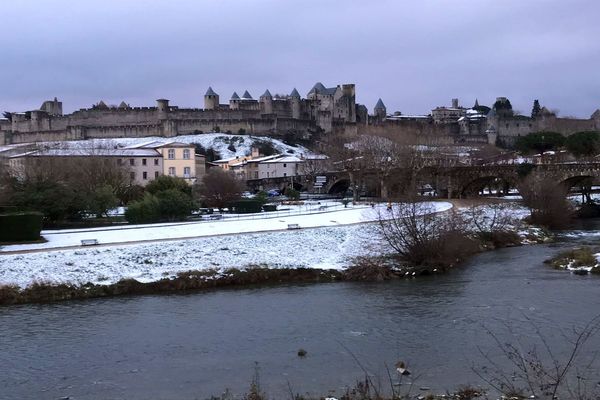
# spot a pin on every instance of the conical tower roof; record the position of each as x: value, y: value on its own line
x: 267, y: 94
x: 246, y: 96
x: 235, y: 96
x: 123, y: 105
x: 379, y: 105
x: 210, y: 92
x: 294, y: 93
x: 476, y: 103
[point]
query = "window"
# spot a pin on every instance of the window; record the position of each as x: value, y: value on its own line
x: 186, y: 172
x: 144, y: 174
x: 143, y: 161
x: 284, y: 165
x: 119, y: 161
x: 156, y: 161
x: 131, y: 161
x: 171, y: 154
x: 132, y: 175
x: 155, y: 174
x: 256, y: 175
x: 186, y: 154
x: 284, y: 174
x: 172, y: 171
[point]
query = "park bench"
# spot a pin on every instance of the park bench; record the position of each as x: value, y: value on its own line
x: 293, y: 226
x: 89, y: 242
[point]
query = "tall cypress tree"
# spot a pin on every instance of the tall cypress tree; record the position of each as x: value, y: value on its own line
x: 536, y: 109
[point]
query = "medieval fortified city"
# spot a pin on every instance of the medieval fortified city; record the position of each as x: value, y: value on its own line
x: 187, y: 215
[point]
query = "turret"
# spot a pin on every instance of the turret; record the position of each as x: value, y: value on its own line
x: 163, y: 108
x: 211, y: 99
x: 266, y: 102
x: 454, y: 103
x: 234, y: 102
x: 295, y: 99
x: 380, y: 110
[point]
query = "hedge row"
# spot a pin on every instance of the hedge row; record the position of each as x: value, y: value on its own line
x: 18, y: 227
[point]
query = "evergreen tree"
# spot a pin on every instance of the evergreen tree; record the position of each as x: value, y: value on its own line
x: 536, y: 109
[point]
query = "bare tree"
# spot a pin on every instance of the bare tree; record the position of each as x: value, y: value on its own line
x: 423, y: 237
x: 536, y: 370
x: 547, y: 201
x: 218, y: 188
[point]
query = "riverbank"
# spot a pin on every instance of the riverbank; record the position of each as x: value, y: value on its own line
x: 347, y: 252
x: 361, y: 268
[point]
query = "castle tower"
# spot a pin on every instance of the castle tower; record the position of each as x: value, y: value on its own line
x: 349, y: 93
x: 295, y: 99
x: 211, y: 99
x: 163, y: 108
x: 380, y: 110
x: 266, y: 102
x: 234, y: 102
x: 454, y: 103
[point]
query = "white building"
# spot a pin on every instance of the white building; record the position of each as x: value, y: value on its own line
x: 279, y: 167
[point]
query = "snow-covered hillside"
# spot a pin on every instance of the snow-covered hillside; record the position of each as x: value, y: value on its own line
x: 219, y: 142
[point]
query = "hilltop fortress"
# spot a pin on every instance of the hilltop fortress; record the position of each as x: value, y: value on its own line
x: 324, y: 110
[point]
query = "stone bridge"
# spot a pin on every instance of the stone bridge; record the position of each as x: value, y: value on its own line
x: 453, y: 181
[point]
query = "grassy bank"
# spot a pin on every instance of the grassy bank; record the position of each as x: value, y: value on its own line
x: 41, y: 292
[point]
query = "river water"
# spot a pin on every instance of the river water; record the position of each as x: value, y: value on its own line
x: 195, y: 345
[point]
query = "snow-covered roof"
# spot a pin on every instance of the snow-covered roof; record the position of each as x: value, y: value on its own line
x: 265, y: 158
x: 90, y: 153
x: 247, y: 96
x: 157, y: 144
x: 316, y: 157
x: 408, y: 116
x: 286, y: 159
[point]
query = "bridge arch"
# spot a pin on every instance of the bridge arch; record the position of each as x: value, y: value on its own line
x: 340, y: 187
x: 493, y: 183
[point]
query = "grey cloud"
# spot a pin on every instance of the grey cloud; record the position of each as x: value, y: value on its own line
x: 413, y: 54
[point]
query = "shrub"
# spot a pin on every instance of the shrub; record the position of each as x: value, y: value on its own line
x: 101, y: 200
x: 143, y: 211
x: 423, y: 237
x: 540, y: 142
x: 583, y: 143
x: 269, y: 207
x: 525, y: 169
x: 247, y: 206
x: 174, y: 204
x: 17, y: 227
x: 165, y: 182
x: 547, y: 202
x: 292, y: 193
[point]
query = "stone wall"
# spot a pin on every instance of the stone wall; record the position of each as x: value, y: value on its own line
x: 425, y: 131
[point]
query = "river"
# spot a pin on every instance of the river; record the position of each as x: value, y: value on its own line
x: 195, y: 345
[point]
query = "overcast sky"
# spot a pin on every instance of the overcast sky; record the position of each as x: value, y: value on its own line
x: 415, y: 55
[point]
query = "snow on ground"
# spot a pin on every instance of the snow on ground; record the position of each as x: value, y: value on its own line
x: 137, y: 233
x: 329, y: 247
x: 217, y: 141
x: 325, y: 248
